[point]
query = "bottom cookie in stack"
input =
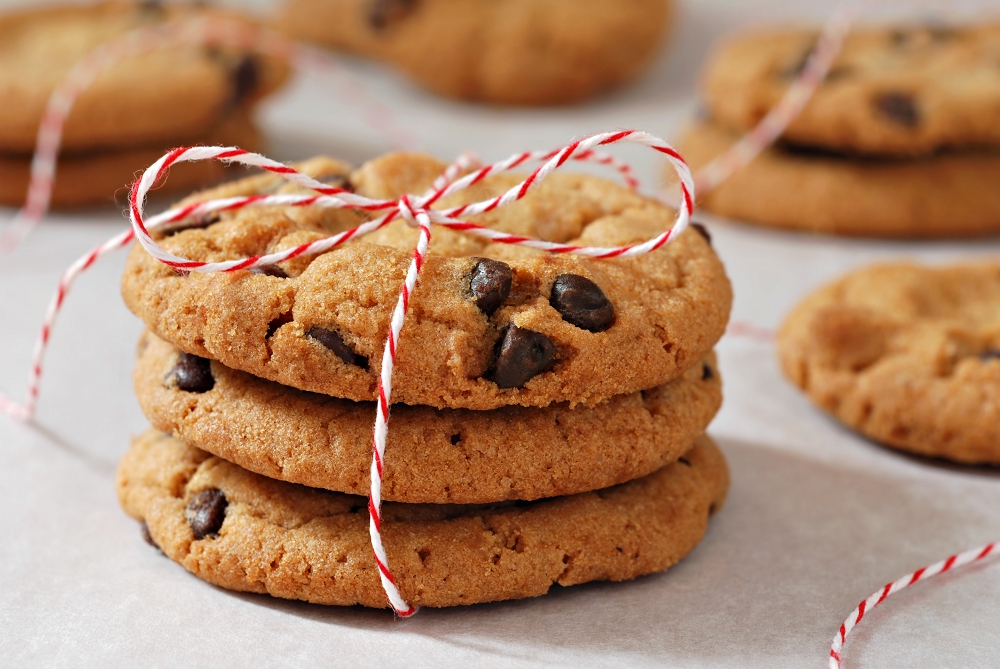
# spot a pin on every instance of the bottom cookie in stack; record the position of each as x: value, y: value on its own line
x: 949, y: 194
x: 98, y: 176
x: 246, y: 532
x: 487, y: 505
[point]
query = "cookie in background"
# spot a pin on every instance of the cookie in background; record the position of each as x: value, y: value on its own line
x: 902, y: 138
x: 906, y: 354
x: 133, y: 111
x: 520, y: 52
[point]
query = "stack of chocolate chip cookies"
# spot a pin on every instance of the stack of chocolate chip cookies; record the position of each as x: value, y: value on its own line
x: 900, y: 140
x: 132, y: 112
x: 551, y: 409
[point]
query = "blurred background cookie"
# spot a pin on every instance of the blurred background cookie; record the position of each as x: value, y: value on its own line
x: 527, y: 52
x: 132, y: 112
x: 906, y: 354
x: 899, y: 140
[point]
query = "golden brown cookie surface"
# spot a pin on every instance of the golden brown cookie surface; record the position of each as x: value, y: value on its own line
x: 908, y: 355
x: 242, y: 531
x: 437, y: 456
x: 905, y: 91
x: 507, y: 51
x: 947, y: 195
x: 489, y: 324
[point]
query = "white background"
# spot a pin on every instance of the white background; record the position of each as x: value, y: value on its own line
x: 817, y: 519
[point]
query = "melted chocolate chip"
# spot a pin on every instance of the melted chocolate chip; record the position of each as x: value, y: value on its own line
x: 192, y: 374
x: 337, y: 181
x: 991, y: 354
x: 384, y: 13
x: 706, y: 372
x: 898, y: 107
x: 582, y: 303
x: 206, y: 511
x: 703, y: 231
x: 269, y: 270
x: 489, y: 283
x: 335, y: 343
x: 198, y: 222
x: 522, y: 355
x: 246, y: 77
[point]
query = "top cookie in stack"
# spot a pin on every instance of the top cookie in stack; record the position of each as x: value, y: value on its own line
x: 900, y: 140
x: 130, y: 113
x: 553, y: 407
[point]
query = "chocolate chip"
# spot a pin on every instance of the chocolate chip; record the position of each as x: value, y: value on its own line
x: 837, y: 73
x: 455, y: 438
x: 386, y: 12
x: 198, y: 222
x: 489, y: 283
x: 703, y: 231
x: 684, y: 461
x: 990, y: 354
x: 192, y: 374
x: 269, y: 270
x: 146, y: 536
x: 795, y: 69
x: 581, y: 302
x: 522, y: 355
x: 246, y: 77
x: 206, y: 511
x: 335, y: 343
x: 706, y: 372
x: 898, y: 107
x: 336, y: 180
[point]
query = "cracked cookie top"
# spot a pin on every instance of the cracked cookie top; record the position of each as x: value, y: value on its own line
x: 489, y: 325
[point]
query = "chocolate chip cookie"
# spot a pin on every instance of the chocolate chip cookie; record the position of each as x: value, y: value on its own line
x: 908, y: 355
x: 172, y: 96
x: 489, y: 325
x: 903, y: 91
x: 99, y: 176
x: 242, y: 531
x: 952, y: 194
x: 436, y: 456
x: 508, y: 51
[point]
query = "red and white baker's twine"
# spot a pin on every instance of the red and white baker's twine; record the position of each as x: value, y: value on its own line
x: 946, y: 565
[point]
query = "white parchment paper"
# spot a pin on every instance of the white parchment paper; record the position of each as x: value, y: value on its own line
x: 817, y: 518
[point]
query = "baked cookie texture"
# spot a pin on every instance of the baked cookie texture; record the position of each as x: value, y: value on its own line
x: 167, y: 96
x: 908, y: 355
x: 951, y: 194
x: 103, y: 176
x: 530, y: 52
x: 906, y: 91
x: 242, y: 531
x: 529, y: 330
x: 435, y: 456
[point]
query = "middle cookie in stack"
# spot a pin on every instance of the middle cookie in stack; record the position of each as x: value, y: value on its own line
x: 531, y: 380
